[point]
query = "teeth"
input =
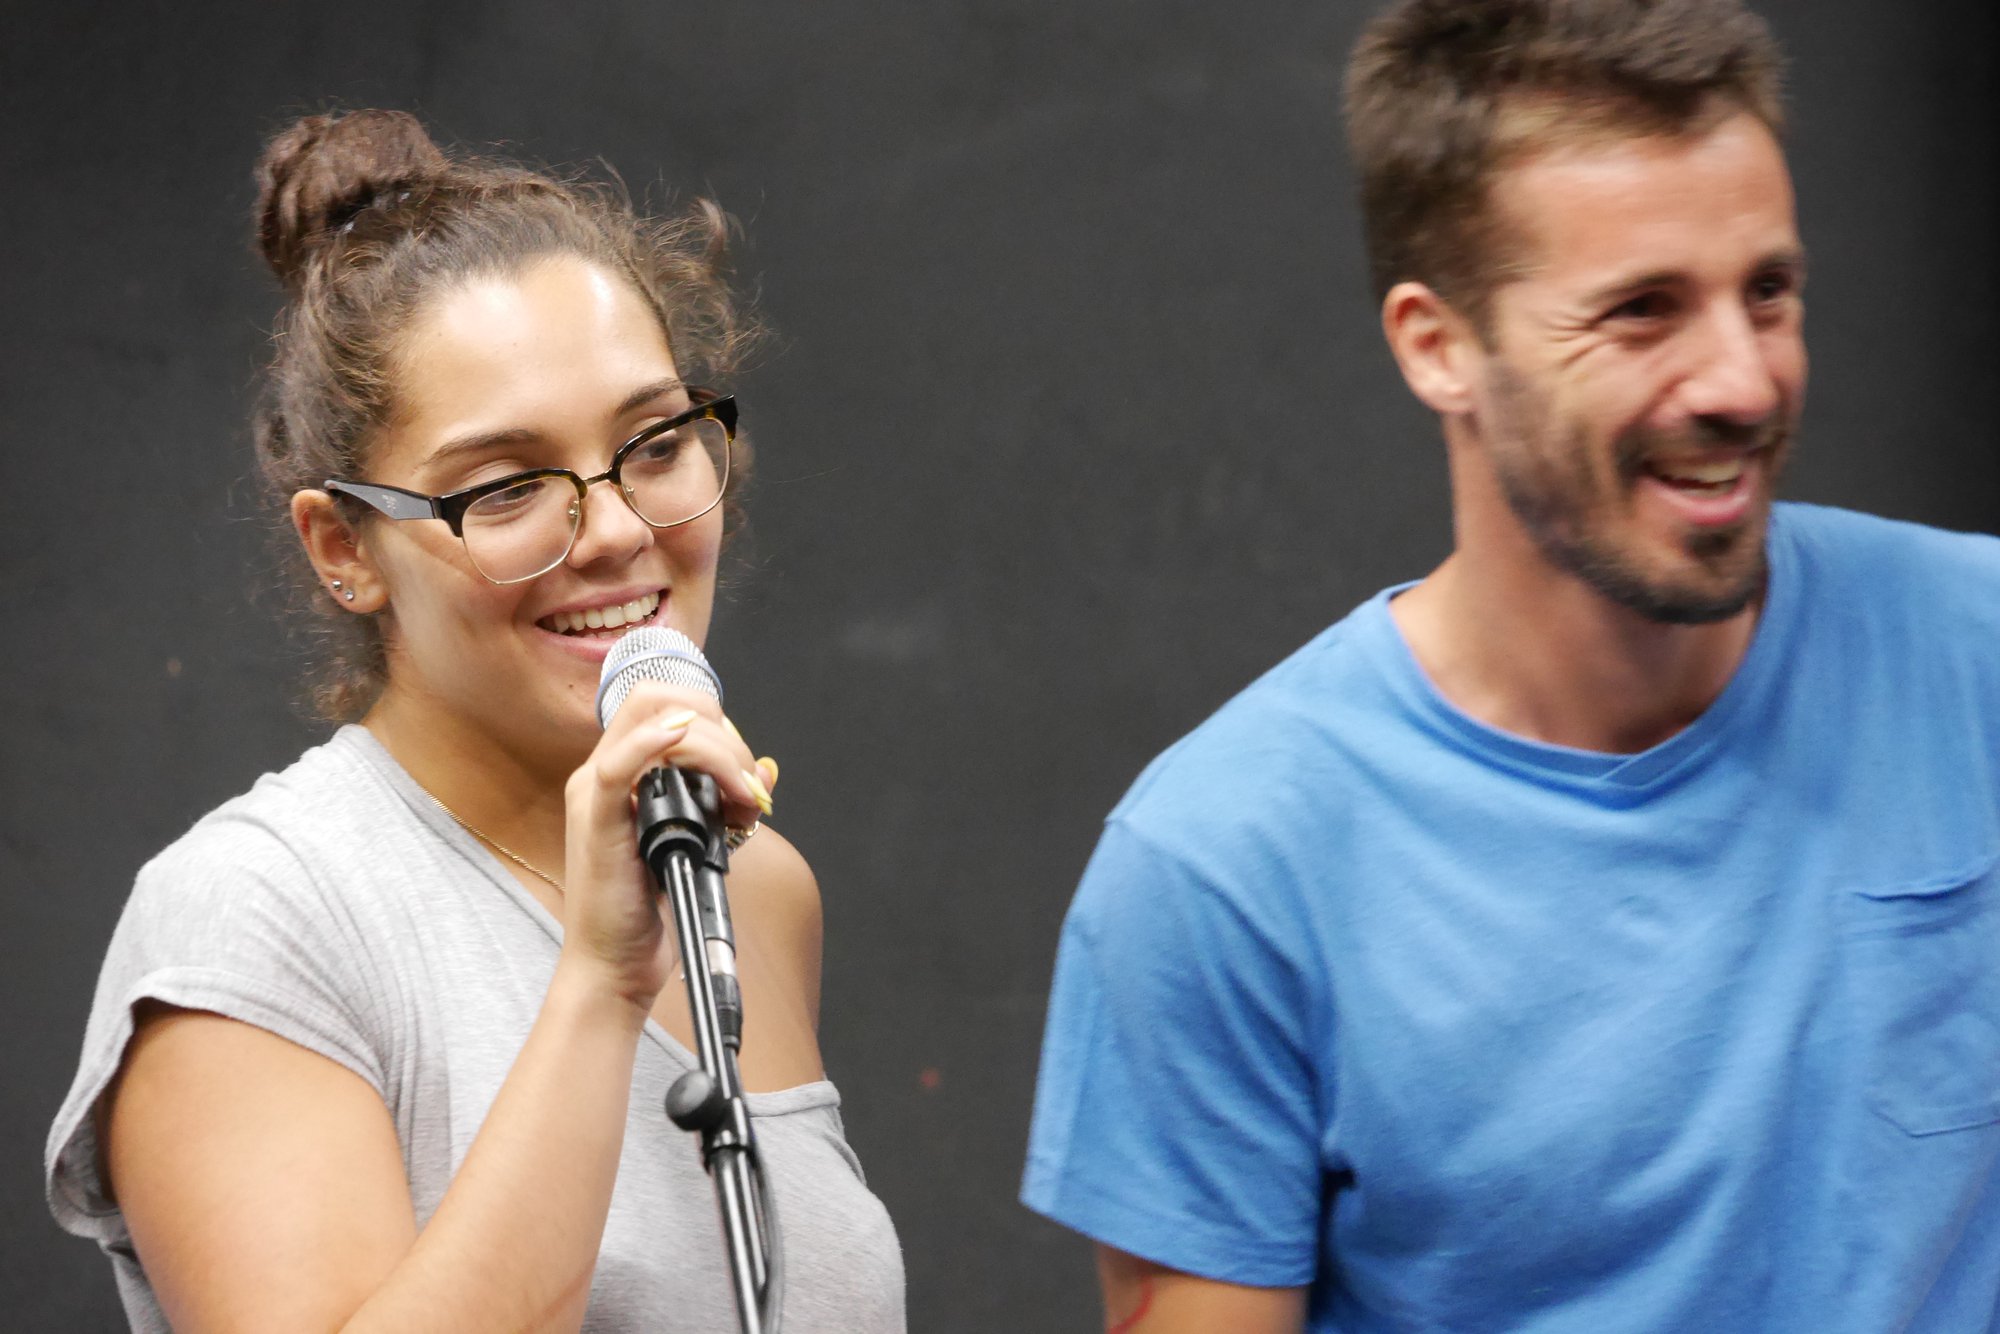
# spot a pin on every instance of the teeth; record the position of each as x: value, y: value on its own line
x: 1708, y: 474
x: 604, y: 618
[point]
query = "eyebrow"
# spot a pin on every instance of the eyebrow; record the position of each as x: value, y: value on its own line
x: 1792, y: 257
x: 481, y: 441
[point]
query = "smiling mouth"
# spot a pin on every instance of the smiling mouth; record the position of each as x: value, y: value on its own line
x: 610, y: 620
x: 1707, y: 478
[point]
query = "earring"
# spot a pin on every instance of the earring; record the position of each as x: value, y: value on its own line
x: 349, y: 595
x: 336, y: 585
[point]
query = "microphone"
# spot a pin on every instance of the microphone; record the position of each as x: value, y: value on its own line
x: 678, y: 820
x: 651, y: 653
x: 679, y: 827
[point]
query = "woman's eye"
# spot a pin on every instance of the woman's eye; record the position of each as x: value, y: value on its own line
x: 509, y: 497
x: 486, y: 474
x: 660, y: 449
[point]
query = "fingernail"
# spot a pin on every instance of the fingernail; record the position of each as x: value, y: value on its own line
x: 766, y: 762
x: 763, y: 793
x: 674, y: 722
x: 732, y: 727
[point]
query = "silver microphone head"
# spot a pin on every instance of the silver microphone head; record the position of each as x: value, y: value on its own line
x: 651, y: 653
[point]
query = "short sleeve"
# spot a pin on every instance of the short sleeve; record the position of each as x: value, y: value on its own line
x: 1177, y: 1115
x: 227, y: 920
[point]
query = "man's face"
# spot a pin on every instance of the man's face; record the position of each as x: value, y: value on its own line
x: 1643, y: 377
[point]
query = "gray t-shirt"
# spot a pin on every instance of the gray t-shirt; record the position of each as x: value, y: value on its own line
x: 336, y: 906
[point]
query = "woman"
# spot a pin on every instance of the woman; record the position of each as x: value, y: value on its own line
x: 382, y: 1044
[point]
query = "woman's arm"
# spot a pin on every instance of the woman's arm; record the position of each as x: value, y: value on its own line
x: 264, y: 1185
x: 265, y: 1189
x: 774, y: 904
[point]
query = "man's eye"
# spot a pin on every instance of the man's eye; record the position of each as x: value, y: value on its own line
x: 1771, y: 287
x: 1645, y: 306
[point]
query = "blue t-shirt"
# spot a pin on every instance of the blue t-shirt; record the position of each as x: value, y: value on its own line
x: 1474, y: 1033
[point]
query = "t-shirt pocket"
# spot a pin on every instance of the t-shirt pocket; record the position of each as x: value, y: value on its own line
x: 1925, y: 973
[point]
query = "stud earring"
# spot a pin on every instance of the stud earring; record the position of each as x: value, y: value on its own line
x: 349, y: 595
x: 336, y: 585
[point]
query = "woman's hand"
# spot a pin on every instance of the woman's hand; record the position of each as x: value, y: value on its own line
x: 612, y: 918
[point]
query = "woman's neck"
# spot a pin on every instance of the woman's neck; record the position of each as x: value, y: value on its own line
x: 505, y: 791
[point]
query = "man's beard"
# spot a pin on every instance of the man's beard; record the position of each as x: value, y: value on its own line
x: 1558, y: 501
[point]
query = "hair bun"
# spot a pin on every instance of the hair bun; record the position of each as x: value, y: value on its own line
x: 322, y: 170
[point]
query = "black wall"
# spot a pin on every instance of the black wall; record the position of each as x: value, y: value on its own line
x: 1077, y: 421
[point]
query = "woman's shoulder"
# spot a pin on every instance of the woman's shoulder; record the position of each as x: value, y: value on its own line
x: 775, y: 902
x: 241, y: 916
x: 285, y: 805
x: 285, y: 907
x: 771, y: 883
x: 288, y: 857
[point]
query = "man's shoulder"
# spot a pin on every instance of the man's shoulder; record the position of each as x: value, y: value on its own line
x: 1885, y: 553
x: 1290, y: 731
x: 1889, y: 599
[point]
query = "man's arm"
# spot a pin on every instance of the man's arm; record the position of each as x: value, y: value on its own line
x: 1141, y: 1297
x: 1178, y: 1114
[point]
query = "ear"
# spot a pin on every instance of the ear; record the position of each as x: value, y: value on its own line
x: 337, y: 552
x: 1435, y: 346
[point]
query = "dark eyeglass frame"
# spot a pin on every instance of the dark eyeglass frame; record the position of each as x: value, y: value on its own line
x: 399, y: 503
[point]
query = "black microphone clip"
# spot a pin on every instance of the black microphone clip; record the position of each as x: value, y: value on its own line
x: 680, y: 812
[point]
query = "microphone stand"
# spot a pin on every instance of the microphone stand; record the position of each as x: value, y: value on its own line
x: 681, y: 841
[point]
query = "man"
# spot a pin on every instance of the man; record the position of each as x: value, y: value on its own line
x: 1603, y: 933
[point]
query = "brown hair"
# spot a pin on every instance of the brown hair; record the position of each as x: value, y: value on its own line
x: 365, y: 220
x: 1443, y: 94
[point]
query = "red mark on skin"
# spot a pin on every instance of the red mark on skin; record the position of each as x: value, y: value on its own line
x: 929, y: 1080
x: 1131, y: 1322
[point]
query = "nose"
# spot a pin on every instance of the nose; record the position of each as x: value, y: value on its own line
x: 1738, y: 376
x: 609, y: 529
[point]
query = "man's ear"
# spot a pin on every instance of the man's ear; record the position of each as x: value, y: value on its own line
x: 1435, y: 346
x: 337, y: 552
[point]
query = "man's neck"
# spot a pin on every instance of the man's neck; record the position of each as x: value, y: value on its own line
x: 1539, y: 654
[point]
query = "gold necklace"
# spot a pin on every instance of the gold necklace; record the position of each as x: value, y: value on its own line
x: 736, y: 839
x: 495, y: 844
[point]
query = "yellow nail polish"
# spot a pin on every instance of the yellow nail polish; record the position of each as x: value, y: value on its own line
x: 673, y: 720
x: 732, y: 727
x: 762, y: 793
x: 765, y: 761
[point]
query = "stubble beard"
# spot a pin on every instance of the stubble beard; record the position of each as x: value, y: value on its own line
x: 1565, y: 511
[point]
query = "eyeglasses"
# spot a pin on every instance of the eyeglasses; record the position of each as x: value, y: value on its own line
x: 524, y: 524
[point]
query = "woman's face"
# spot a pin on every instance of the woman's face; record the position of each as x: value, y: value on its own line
x: 553, y: 367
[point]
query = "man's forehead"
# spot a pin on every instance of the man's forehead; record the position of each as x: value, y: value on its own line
x: 1596, y: 201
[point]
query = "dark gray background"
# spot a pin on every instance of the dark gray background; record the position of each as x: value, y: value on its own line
x: 1078, y: 419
